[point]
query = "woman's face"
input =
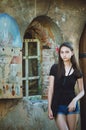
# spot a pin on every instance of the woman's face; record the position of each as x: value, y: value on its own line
x: 65, y: 53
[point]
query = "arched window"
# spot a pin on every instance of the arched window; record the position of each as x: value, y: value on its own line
x: 31, y: 67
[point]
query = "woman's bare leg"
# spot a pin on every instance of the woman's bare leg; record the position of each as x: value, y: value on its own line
x: 61, y: 122
x: 72, y: 120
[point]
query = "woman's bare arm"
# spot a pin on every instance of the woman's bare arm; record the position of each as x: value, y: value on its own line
x: 81, y: 93
x: 50, y: 94
x: 81, y: 89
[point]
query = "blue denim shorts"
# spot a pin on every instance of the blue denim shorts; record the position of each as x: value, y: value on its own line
x: 63, y: 109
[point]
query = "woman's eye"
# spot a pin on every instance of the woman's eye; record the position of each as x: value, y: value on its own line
x: 67, y: 51
x: 62, y: 52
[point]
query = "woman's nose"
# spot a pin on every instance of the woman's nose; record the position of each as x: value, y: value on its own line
x: 64, y: 54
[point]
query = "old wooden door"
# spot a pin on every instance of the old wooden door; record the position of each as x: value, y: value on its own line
x: 82, y: 56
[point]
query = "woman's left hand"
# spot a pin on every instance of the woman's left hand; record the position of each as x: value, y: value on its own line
x: 72, y: 105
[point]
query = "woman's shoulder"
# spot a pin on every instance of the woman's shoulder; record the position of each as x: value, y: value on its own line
x: 53, y: 69
x: 78, y: 73
x: 54, y: 66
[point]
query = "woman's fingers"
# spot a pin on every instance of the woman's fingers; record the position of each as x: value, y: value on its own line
x: 71, y: 109
x: 50, y: 115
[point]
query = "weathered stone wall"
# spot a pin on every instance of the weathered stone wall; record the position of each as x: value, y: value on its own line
x: 47, y: 60
x: 70, y: 18
x: 69, y: 15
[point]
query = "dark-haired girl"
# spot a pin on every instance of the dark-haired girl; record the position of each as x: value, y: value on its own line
x: 62, y: 99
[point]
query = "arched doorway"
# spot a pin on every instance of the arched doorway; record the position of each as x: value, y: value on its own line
x: 82, y: 56
x: 47, y: 36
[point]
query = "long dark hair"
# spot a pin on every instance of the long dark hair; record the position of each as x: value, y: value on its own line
x: 61, y: 70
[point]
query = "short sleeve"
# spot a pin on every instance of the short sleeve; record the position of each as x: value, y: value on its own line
x: 78, y: 74
x: 53, y: 70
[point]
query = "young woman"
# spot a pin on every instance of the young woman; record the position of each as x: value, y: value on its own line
x: 62, y: 99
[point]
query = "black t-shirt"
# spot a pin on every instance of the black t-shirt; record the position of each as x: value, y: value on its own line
x: 64, y: 90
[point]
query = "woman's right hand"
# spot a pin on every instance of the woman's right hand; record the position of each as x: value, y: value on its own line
x: 50, y: 114
x: 72, y: 105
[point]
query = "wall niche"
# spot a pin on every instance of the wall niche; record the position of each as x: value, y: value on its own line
x: 10, y: 58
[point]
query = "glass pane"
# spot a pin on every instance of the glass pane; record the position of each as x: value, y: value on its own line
x: 33, y: 67
x: 23, y: 50
x: 33, y: 87
x: 24, y: 84
x: 32, y: 48
x: 23, y: 68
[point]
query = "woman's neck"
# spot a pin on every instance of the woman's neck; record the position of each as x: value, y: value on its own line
x: 68, y: 68
x: 67, y: 64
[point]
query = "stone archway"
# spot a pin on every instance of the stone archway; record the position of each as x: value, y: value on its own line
x: 45, y: 29
x: 82, y: 60
x: 49, y: 35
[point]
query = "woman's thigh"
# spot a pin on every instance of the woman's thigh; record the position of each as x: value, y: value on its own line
x: 72, y: 120
x: 61, y: 122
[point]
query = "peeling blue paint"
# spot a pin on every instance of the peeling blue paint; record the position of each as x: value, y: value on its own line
x: 9, y: 31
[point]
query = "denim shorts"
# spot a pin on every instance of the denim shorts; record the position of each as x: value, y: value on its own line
x: 63, y: 109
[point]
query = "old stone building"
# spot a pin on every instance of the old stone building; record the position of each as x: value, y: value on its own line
x: 43, y: 25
